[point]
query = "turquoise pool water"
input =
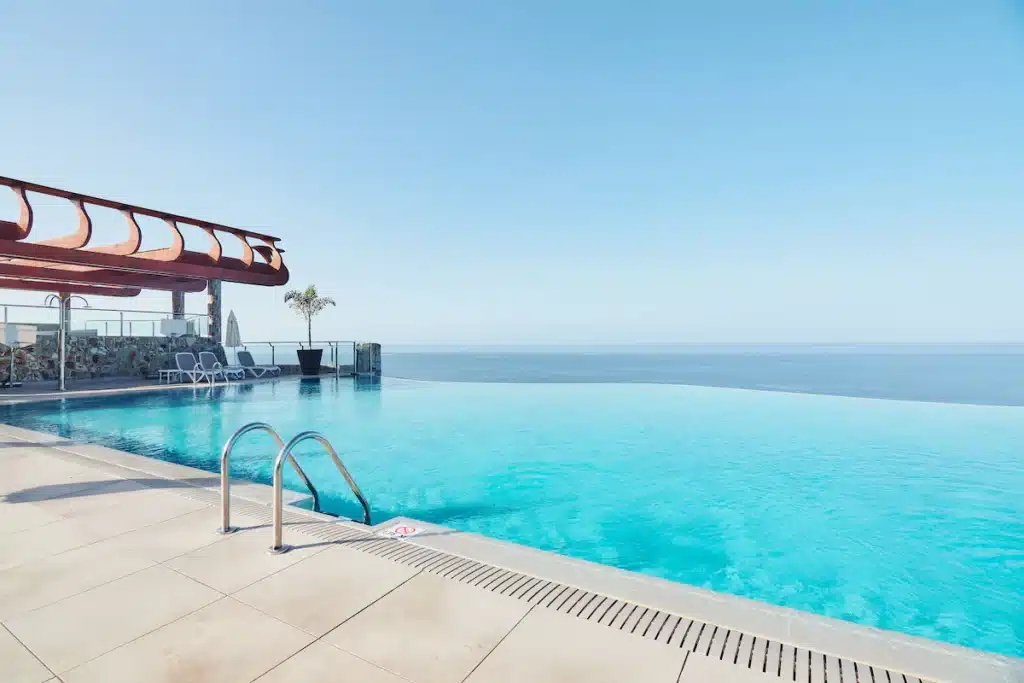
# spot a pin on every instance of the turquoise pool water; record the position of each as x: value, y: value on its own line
x: 907, y: 516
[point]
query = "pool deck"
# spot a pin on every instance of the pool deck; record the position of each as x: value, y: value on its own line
x: 111, y: 570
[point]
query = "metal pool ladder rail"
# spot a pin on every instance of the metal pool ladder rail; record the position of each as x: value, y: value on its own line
x: 225, y: 481
x: 286, y: 454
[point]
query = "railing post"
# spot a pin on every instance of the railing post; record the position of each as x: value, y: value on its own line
x: 121, y: 315
x: 272, y: 362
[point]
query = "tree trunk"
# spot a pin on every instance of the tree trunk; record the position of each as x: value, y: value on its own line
x: 309, y: 331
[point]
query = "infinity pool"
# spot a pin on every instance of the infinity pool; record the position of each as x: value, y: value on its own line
x: 907, y: 516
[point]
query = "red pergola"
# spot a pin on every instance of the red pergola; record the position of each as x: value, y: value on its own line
x: 72, y: 264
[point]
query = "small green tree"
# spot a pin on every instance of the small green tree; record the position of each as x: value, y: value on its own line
x: 307, y: 303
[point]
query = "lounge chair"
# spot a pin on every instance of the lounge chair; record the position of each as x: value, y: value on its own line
x: 245, y: 360
x: 189, y: 367
x: 212, y: 366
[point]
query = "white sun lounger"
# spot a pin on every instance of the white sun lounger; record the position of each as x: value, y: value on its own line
x: 246, y: 361
x: 212, y: 366
x: 189, y: 367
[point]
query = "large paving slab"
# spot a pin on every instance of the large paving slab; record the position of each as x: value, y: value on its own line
x: 180, y: 535
x: 18, y: 664
x: 430, y: 630
x: 586, y: 653
x: 25, y: 546
x: 322, y: 662
x: 322, y: 591
x: 225, y: 642
x: 241, y: 559
x: 702, y: 669
x: 84, y: 626
x: 20, y: 516
x: 130, y: 513
x: 37, y: 584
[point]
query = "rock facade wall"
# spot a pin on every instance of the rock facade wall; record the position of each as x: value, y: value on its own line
x: 102, y: 356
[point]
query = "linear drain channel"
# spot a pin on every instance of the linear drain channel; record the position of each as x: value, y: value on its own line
x: 785, y: 661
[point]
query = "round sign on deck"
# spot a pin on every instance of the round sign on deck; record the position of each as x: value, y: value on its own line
x: 401, y: 531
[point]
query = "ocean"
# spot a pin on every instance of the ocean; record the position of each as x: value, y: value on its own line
x: 970, y: 373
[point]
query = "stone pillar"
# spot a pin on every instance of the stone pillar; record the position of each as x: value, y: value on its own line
x: 213, y: 310
x: 178, y: 305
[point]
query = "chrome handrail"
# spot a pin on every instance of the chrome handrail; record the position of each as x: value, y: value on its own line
x: 286, y: 452
x: 225, y: 479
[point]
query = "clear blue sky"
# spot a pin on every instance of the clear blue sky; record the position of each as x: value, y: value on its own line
x: 475, y: 172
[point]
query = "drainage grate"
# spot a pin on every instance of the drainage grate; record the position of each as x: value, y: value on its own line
x: 786, y: 662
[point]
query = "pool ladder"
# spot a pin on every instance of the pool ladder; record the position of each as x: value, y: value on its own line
x: 285, y: 453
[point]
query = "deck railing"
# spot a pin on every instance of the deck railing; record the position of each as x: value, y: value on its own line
x: 104, y: 322
x: 339, y: 353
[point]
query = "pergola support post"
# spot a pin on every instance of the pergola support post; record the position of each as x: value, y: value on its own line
x: 63, y: 321
x: 178, y: 305
x: 213, y: 310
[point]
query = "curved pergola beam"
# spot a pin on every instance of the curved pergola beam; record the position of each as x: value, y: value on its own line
x: 174, y: 261
x: 58, y: 273
x: 130, y: 245
x: 70, y: 288
x: 79, y: 238
x: 20, y: 229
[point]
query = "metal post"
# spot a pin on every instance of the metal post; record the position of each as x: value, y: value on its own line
x: 225, y: 481
x: 62, y: 299
x: 278, y: 500
x: 154, y: 327
x: 272, y: 360
x: 121, y: 315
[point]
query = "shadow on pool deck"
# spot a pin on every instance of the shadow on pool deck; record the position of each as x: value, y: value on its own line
x: 33, y: 444
x: 102, y: 487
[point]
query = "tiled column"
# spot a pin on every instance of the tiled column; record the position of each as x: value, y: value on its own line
x: 213, y: 309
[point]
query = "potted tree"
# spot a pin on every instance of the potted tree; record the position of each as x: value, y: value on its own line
x: 308, y: 303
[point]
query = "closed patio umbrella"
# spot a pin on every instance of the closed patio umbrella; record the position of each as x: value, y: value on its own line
x: 232, y: 337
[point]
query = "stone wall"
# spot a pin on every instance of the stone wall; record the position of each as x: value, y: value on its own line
x: 102, y: 356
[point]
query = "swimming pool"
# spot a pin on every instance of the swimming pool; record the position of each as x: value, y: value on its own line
x: 907, y: 516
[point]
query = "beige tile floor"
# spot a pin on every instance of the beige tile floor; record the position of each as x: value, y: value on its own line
x: 104, y: 581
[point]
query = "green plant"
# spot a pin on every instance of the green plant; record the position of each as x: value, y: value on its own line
x: 307, y: 303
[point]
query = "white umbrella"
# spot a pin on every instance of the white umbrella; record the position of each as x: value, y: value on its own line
x: 232, y: 337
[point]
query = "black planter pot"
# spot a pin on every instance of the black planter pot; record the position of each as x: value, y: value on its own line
x: 309, y: 361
